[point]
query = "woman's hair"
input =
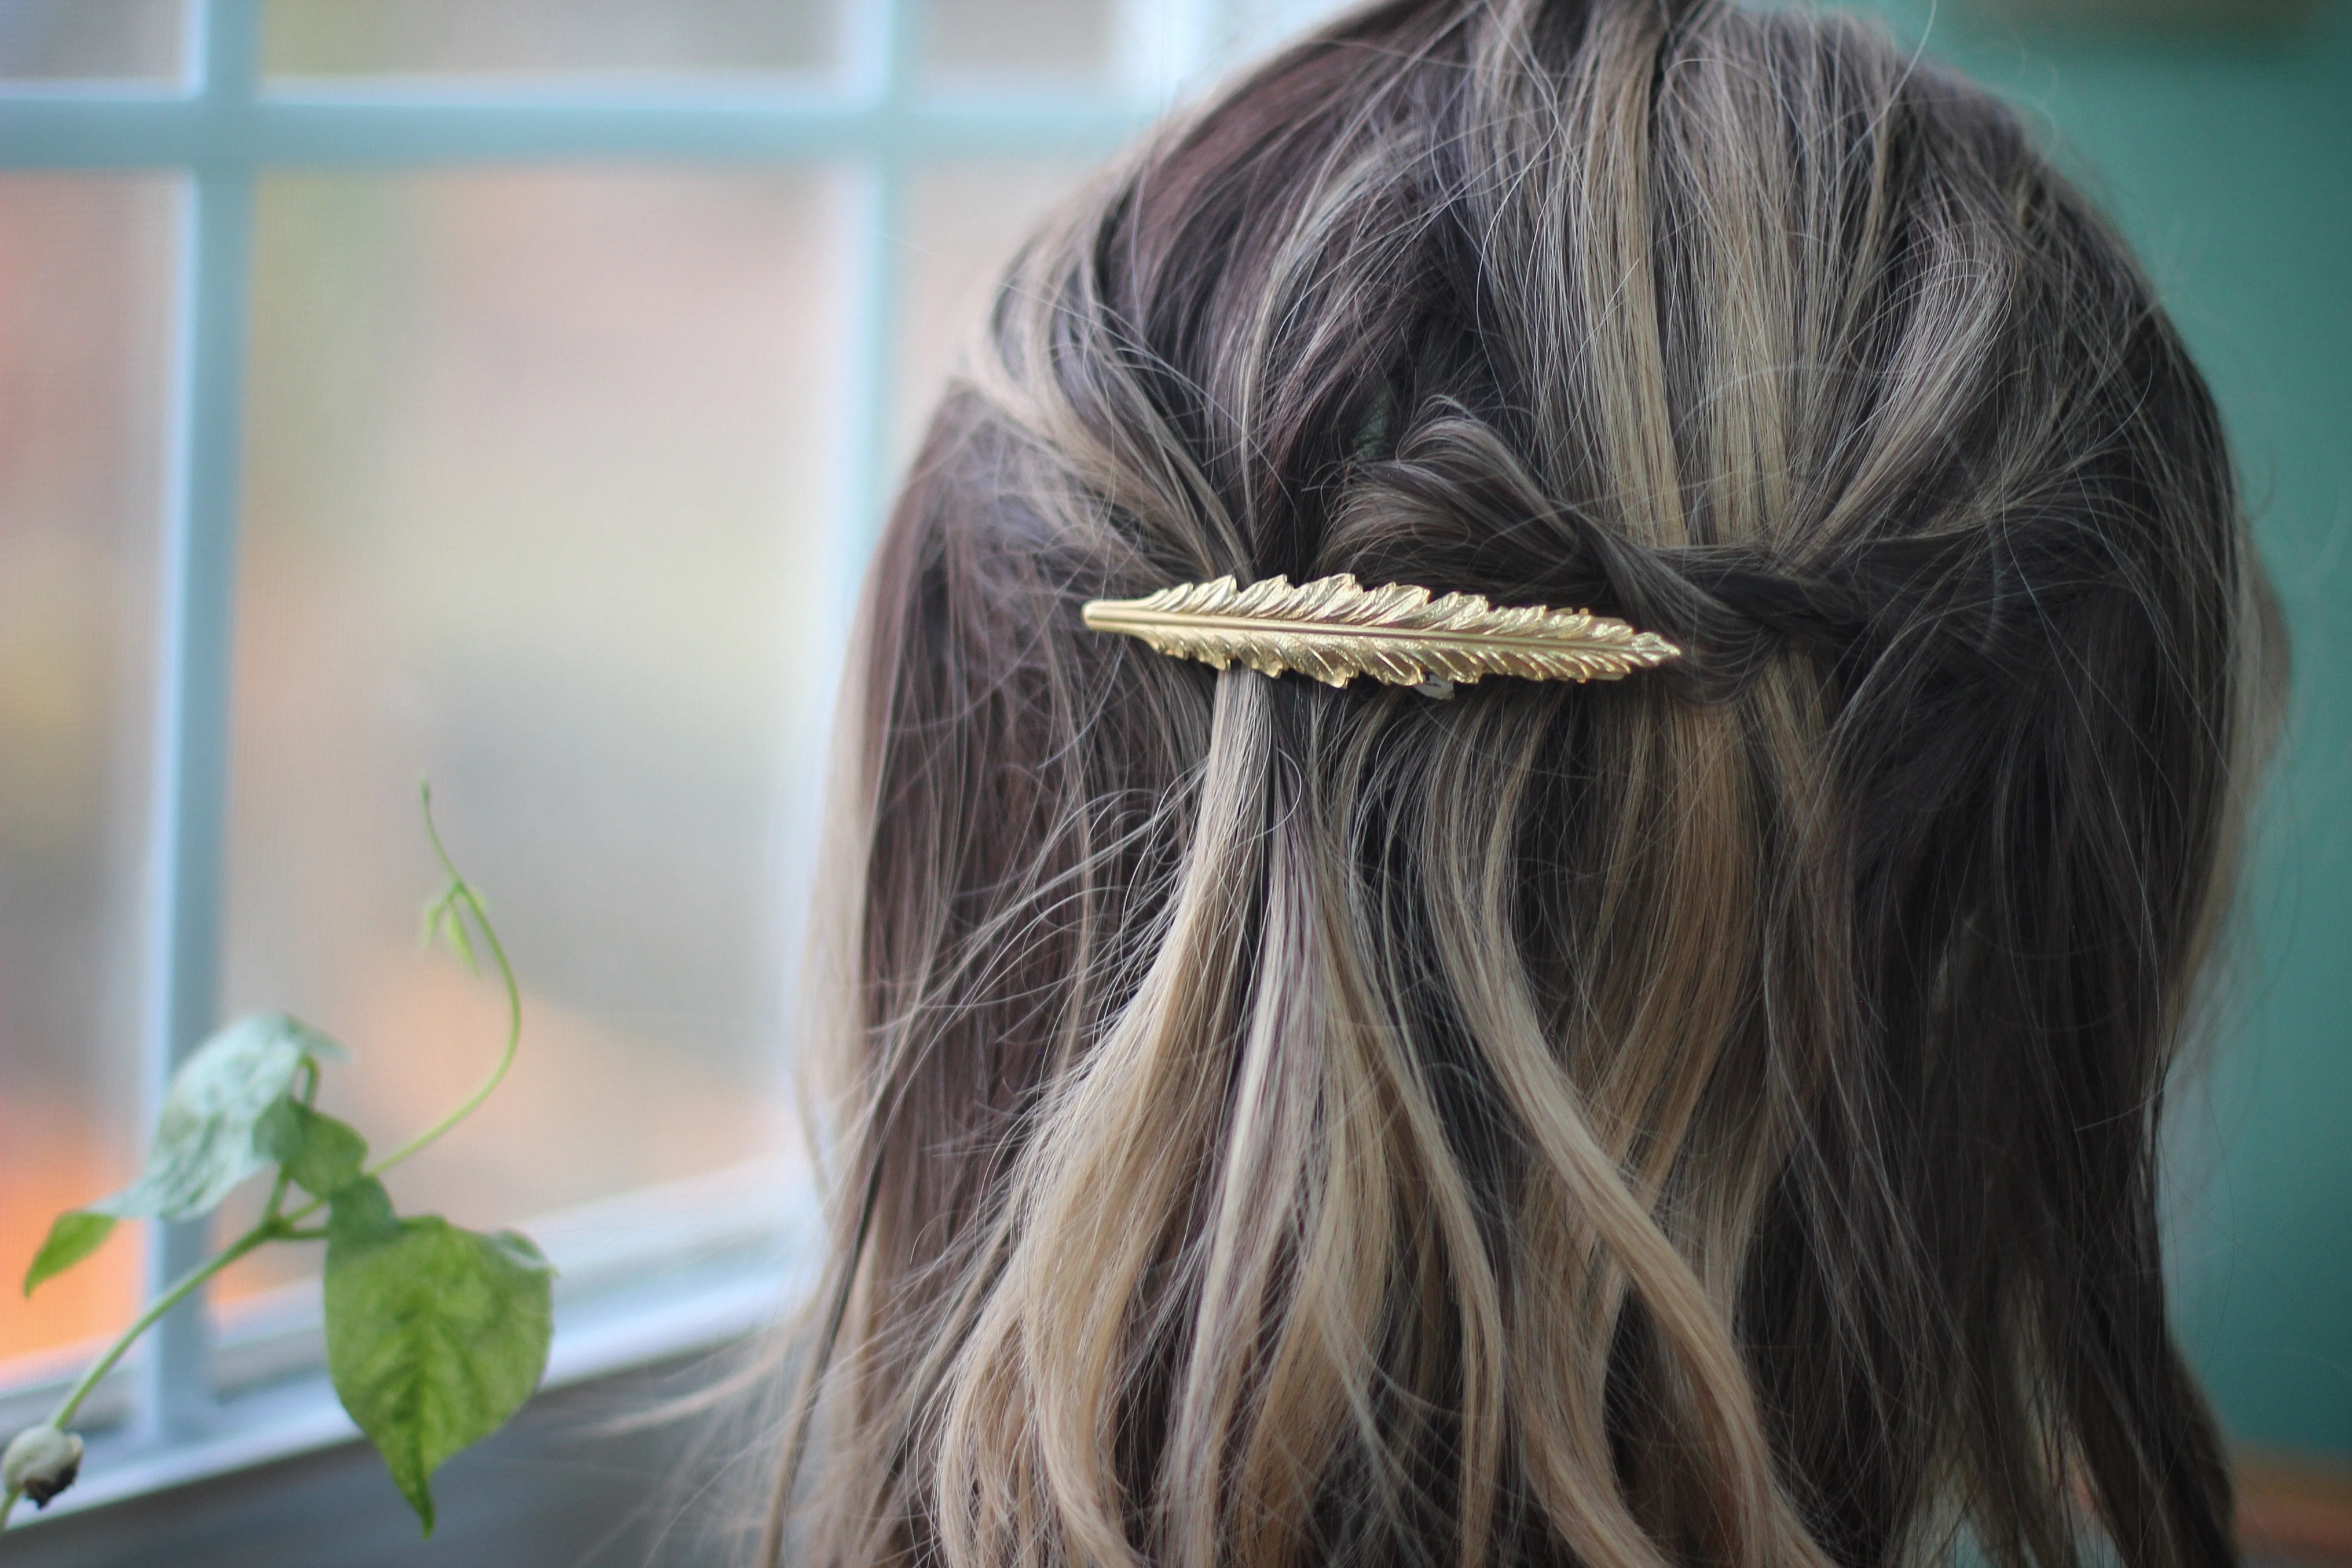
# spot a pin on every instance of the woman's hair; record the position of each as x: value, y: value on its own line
x: 1705, y: 1118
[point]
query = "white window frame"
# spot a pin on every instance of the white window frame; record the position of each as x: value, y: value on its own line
x: 186, y: 1407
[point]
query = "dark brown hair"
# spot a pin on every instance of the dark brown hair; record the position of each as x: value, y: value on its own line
x: 1709, y: 1119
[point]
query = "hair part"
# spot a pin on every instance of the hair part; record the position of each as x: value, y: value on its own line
x: 1707, y: 1118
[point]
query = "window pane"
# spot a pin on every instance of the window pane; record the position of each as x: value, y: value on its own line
x: 370, y: 37
x: 107, y: 39
x: 963, y: 38
x: 537, y: 504
x: 964, y: 223
x: 86, y: 279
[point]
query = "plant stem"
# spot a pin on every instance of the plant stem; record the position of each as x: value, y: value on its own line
x: 506, y: 1058
x: 179, y: 1292
x: 462, y: 891
x: 267, y: 1231
x: 269, y: 1210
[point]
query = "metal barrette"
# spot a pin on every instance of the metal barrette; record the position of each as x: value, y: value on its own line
x: 1335, y: 628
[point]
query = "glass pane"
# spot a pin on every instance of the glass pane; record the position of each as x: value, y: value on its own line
x: 1016, y: 38
x: 373, y: 37
x: 964, y: 221
x: 538, y: 505
x: 86, y: 283
x: 106, y: 39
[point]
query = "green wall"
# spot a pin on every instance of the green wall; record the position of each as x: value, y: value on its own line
x: 2228, y: 160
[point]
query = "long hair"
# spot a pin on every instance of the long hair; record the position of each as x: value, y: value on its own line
x: 1708, y: 1119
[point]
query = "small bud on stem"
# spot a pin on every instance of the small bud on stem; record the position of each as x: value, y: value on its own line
x: 41, y: 1462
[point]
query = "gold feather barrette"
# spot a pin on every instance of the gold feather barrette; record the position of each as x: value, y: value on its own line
x: 1335, y: 628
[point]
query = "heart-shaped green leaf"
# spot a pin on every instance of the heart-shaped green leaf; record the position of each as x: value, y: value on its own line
x: 206, y: 1139
x: 435, y: 1335
x: 75, y: 1235
x: 322, y: 1154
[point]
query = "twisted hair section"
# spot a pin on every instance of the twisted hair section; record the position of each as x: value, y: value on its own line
x: 1704, y: 1118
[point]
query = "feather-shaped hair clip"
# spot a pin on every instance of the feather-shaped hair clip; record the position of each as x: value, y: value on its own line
x: 1334, y: 630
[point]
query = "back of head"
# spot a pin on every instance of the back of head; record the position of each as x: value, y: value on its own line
x: 1704, y: 1118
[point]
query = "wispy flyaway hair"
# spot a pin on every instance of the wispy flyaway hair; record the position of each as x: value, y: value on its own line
x: 1709, y: 1118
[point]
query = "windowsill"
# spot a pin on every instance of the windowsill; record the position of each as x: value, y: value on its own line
x: 644, y: 1277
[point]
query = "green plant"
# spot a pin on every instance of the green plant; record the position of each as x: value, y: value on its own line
x: 435, y: 1335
